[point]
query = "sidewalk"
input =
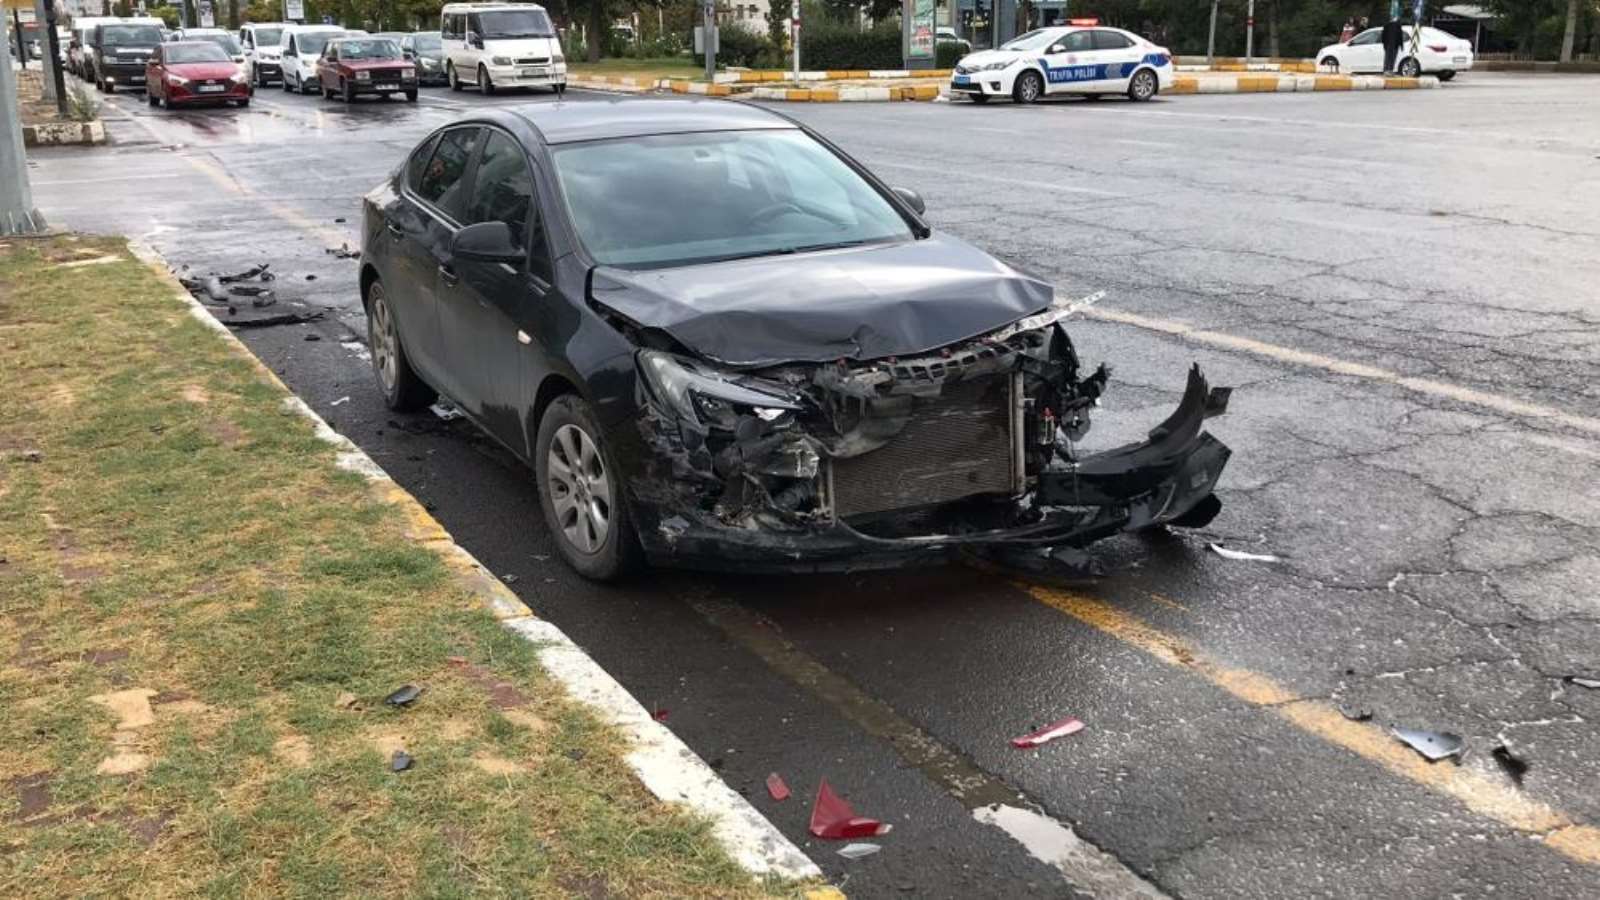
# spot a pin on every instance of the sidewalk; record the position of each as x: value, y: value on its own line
x: 206, y: 597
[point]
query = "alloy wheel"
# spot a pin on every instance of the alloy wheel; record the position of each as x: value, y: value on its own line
x: 580, y: 489
x: 1028, y: 88
x: 1144, y: 85
x: 380, y: 334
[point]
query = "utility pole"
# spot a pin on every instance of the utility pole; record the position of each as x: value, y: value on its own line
x: 1211, y: 38
x: 795, y: 37
x: 44, y: 13
x: 17, y: 215
x: 1250, y: 32
x: 711, y: 40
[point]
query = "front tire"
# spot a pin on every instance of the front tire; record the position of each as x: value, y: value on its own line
x: 450, y: 75
x: 348, y: 92
x: 1029, y: 87
x: 580, y: 493
x: 1143, y: 86
x: 403, y: 390
x: 1410, y: 67
x: 978, y: 98
x: 485, y: 86
x: 411, y: 96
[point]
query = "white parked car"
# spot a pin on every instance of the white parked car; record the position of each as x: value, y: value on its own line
x: 300, y: 47
x: 1437, y: 53
x: 262, y: 60
x: 219, y: 36
x: 1065, y: 60
x: 501, y: 45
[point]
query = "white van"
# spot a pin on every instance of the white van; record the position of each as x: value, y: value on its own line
x: 259, y: 41
x: 501, y: 45
x: 300, y: 47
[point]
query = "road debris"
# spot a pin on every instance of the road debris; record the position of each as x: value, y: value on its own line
x: 254, y: 273
x: 857, y: 851
x: 400, y: 762
x: 1435, y: 745
x: 405, y: 696
x: 288, y: 318
x: 510, y: 578
x: 313, y: 337
x: 833, y: 819
x: 445, y: 410
x: 343, y: 251
x: 1225, y: 553
x: 660, y: 715
x: 1355, y: 713
x: 1590, y: 683
x: 1515, y: 766
x: 344, y: 399
x: 776, y: 789
x: 1057, y: 729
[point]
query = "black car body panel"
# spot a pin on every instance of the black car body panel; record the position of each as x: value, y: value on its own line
x: 925, y: 398
x: 854, y: 303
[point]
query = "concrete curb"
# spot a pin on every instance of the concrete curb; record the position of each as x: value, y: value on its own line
x: 662, y: 762
x: 49, y: 134
x: 920, y: 92
x: 697, y: 87
x: 769, y: 75
x: 1286, y: 84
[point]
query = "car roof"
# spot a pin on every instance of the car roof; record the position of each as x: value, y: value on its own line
x: 480, y: 7
x: 566, y: 123
x: 299, y: 28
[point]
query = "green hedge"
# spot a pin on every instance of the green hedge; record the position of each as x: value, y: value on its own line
x: 836, y: 45
x: 948, y: 53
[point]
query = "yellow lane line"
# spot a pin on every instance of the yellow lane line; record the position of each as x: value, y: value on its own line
x: 1321, y: 719
x: 1496, y: 402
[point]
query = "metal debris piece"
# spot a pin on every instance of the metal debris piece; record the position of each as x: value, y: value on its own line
x: 833, y: 819
x: 1435, y: 745
x: 1590, y: 683
x: 1057, y: 729
x: 776, y: 789
x: 1355, y: 713
x: 313, y: 336
x: 343, y: 251
x: 856, y: 851
x: 246, y: 290
x: 405, y: 696
x: 1515, y: 766
x: 509, y: 577
x: 400, y: 762
x: 263, y: 301
x: 252, y: 273
x: 445, y: 411
x: 288, y: 318
x: 344, y: 399
x: 1225, y: 553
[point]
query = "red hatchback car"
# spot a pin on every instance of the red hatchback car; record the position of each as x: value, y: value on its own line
x: 184, y: 72
x: 351, y: 66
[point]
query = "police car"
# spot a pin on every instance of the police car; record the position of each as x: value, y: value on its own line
x: 1080, y: 58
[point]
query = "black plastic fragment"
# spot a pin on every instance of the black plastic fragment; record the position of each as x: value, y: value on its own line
x: 1515, y: 766
x: 405, y: 696
x: 400, y: 762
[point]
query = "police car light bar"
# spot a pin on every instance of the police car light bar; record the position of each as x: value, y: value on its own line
x: 1091, y: 20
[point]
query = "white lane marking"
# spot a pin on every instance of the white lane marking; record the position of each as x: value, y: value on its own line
x: 1507, y: 405
x: 1162, y: 144
x: 1086, y: 866
x: 1029, y: 183
x: 139, y: 176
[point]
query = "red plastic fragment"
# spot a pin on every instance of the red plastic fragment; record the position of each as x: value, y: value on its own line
x: 660, y: 715
x: 832, y: 818
x: 1050, y: 732
x: 776, y: 787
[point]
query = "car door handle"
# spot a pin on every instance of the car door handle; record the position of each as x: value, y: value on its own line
x: 448, y: 275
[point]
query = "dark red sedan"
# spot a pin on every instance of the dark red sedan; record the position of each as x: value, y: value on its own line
x: 185, y: 72
x: 351, y: 66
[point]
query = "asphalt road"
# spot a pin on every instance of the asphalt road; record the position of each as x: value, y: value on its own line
x: 1402, y: 287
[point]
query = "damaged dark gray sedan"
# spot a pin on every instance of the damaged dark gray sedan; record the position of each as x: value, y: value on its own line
x: 721, y: 342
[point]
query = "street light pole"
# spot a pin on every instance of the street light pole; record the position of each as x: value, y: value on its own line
x: 1211, y: 37
x: 710, y: 31
x: 1250, y: 32
x: 17, y: 215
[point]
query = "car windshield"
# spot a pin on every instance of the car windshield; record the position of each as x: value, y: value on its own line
x: 268, y: 37
x: 373, y: 48
x: 130, y: 35
x: 514, y: 23
x: 427, y: 42
x: 197, y: 52
x: 310, y: 43
x: 668, y: 200
x: 1037, y: 39
x: 227, y: 42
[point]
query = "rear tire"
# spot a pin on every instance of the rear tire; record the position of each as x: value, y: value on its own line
x: 1029, y: 87
x: 244, y: 104
x: 1332, y: 62
x: 450, y: 76
x: 1143, y: 85
x: 581, y: 494
x: 403, y: 390
x: 1447, y: 74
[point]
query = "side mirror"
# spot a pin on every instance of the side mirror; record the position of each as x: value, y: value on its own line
x: 487, y: 242
x: 1056, y: 48
x: 912, y: 199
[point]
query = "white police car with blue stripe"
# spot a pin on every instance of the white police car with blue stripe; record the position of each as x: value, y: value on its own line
x: 1075, y: 59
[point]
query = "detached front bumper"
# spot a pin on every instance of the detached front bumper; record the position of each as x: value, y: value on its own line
x: 1167, y: 479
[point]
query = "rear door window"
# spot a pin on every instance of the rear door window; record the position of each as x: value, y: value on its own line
x: 1110, y: 40
x: 442, y: 180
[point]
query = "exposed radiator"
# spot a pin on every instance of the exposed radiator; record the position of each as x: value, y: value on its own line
x: 954, y: 446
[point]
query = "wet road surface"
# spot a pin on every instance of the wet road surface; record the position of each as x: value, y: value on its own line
x: 1401, y: 288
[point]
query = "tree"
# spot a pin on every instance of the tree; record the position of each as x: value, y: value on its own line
x: 1571, y: 31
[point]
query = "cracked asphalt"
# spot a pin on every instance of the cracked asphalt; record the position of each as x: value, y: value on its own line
x: 1404, y: 289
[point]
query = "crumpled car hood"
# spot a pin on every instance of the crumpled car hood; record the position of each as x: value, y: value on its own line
x: 856, y: 303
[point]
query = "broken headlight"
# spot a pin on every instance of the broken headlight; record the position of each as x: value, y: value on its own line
x: 705, y: 397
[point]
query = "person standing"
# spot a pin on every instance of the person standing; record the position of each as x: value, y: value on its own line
x: 1349, y: 30
x: 1393, y: 37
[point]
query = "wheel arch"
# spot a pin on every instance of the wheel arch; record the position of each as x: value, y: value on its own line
x: 369, y: 274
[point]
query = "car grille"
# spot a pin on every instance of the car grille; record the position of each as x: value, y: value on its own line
x: 954, y: 446
x: 388, y: 74
x: 534, y: 61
